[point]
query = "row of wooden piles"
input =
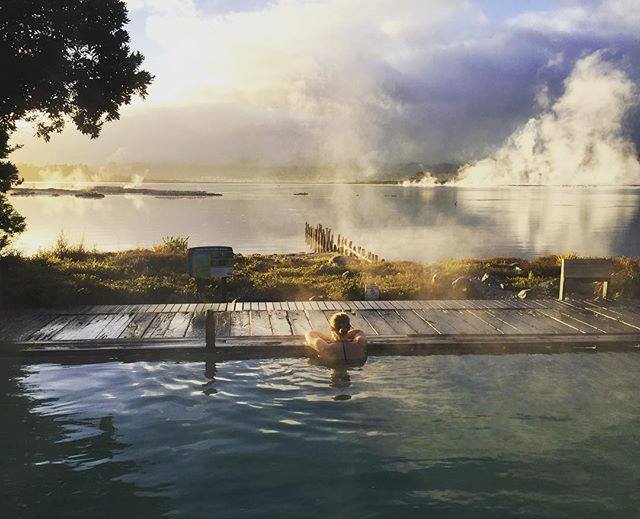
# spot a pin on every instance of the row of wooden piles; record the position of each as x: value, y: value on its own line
x: 322, y: 239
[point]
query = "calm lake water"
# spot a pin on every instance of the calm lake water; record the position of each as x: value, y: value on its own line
x: 441, y: 436
x: 413, y: 223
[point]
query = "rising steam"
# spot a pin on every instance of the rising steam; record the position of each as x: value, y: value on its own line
x: 577, y: 141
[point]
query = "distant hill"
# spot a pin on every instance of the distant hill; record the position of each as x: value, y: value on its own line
x: 239, y: 172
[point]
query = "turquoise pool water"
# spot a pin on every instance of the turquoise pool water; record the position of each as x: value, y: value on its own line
x: 440, y: 436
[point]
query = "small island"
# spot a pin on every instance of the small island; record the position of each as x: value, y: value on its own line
x: 102, y: 191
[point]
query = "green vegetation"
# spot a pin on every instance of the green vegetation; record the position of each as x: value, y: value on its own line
x: 69, y: 274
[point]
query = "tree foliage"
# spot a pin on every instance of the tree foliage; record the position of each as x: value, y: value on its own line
x: 61, y: 60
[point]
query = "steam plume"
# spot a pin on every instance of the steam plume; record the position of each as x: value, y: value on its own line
x: 579, y: 140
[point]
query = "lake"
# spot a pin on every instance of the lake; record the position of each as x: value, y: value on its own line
x: 442, y: 436
x: 396, y: 222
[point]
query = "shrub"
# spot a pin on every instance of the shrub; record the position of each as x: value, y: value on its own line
x: 173, y: 244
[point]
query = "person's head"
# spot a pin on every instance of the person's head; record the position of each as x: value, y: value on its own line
x: 340, y: 324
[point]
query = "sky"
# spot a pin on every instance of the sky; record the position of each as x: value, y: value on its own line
x: 298, y: 82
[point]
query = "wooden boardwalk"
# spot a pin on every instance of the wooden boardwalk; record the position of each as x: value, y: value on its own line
x: 276, y: 327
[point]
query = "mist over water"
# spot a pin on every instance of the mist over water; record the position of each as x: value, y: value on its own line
x: 420, y: 224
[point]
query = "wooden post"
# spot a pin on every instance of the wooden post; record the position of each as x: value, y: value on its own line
x: 562, y: 282
x: 605, y: 288
x: 210, y: 331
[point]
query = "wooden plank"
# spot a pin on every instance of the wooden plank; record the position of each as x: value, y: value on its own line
x: 299, y: 322
x: 240, y: 324
x: 376, y: 322
x: 50, y: 329
x: 318, y: 320
x: 511, y: 323
x: 628, y: 317
x: 260, y: 323
x: 451, y: 322
x: 223, y: 324
x: 84, y: 327
x: 159, y: 326
x: 279, y: 323
x: 18, y: 326
x: 269, y: 305
x: 582, y: 325
x: 628, y: 322
x: 544, y: 324
x: 399, y: 326
x: 178, y: 325
x: 196, y: 326
x: 360, y: 323
x: 115, y: 328
x: 486, y: 319
x: 489, y: 317
x: 137, y: 326
x: 420, y: 326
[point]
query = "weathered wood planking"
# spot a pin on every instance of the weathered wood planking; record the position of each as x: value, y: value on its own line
x: 460, y: 320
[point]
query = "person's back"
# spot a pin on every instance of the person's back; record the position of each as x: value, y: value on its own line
x: 344, y: 344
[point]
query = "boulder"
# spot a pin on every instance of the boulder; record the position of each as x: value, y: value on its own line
x: 338, y: 260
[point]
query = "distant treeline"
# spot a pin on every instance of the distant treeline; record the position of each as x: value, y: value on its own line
x: 237, y: 172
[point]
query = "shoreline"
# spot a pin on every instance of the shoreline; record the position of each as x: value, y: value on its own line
x: 71, y: 275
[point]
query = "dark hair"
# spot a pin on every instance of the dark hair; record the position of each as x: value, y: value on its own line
x: 340, y: 323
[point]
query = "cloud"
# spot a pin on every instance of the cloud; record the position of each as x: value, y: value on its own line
x: 331, y: 81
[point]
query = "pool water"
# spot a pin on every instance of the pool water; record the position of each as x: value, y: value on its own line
x: 438, y: 436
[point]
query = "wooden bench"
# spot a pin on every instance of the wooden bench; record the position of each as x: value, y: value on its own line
x: 586, y: 270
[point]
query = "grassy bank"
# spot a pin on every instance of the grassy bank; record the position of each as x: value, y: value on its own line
x: 72, y: 275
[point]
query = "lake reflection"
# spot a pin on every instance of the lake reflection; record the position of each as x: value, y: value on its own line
x: 412, y: 223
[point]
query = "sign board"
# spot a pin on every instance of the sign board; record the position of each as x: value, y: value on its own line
x: 210, y: 262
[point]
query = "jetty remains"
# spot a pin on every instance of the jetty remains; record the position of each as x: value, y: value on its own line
x: 323, y: 239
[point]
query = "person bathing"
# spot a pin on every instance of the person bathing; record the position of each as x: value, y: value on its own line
x: 344, y: 343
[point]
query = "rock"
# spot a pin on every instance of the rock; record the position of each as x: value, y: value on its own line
x: 524, y: 293
x: 460, y: 284
x: 470, y: 287
x: 517, y: 269
x: 341, y: 261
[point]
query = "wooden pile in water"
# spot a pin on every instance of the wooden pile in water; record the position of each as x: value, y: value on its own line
x: 322, y: 239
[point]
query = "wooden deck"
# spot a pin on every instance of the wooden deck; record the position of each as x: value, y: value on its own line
x: 275, y: 328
